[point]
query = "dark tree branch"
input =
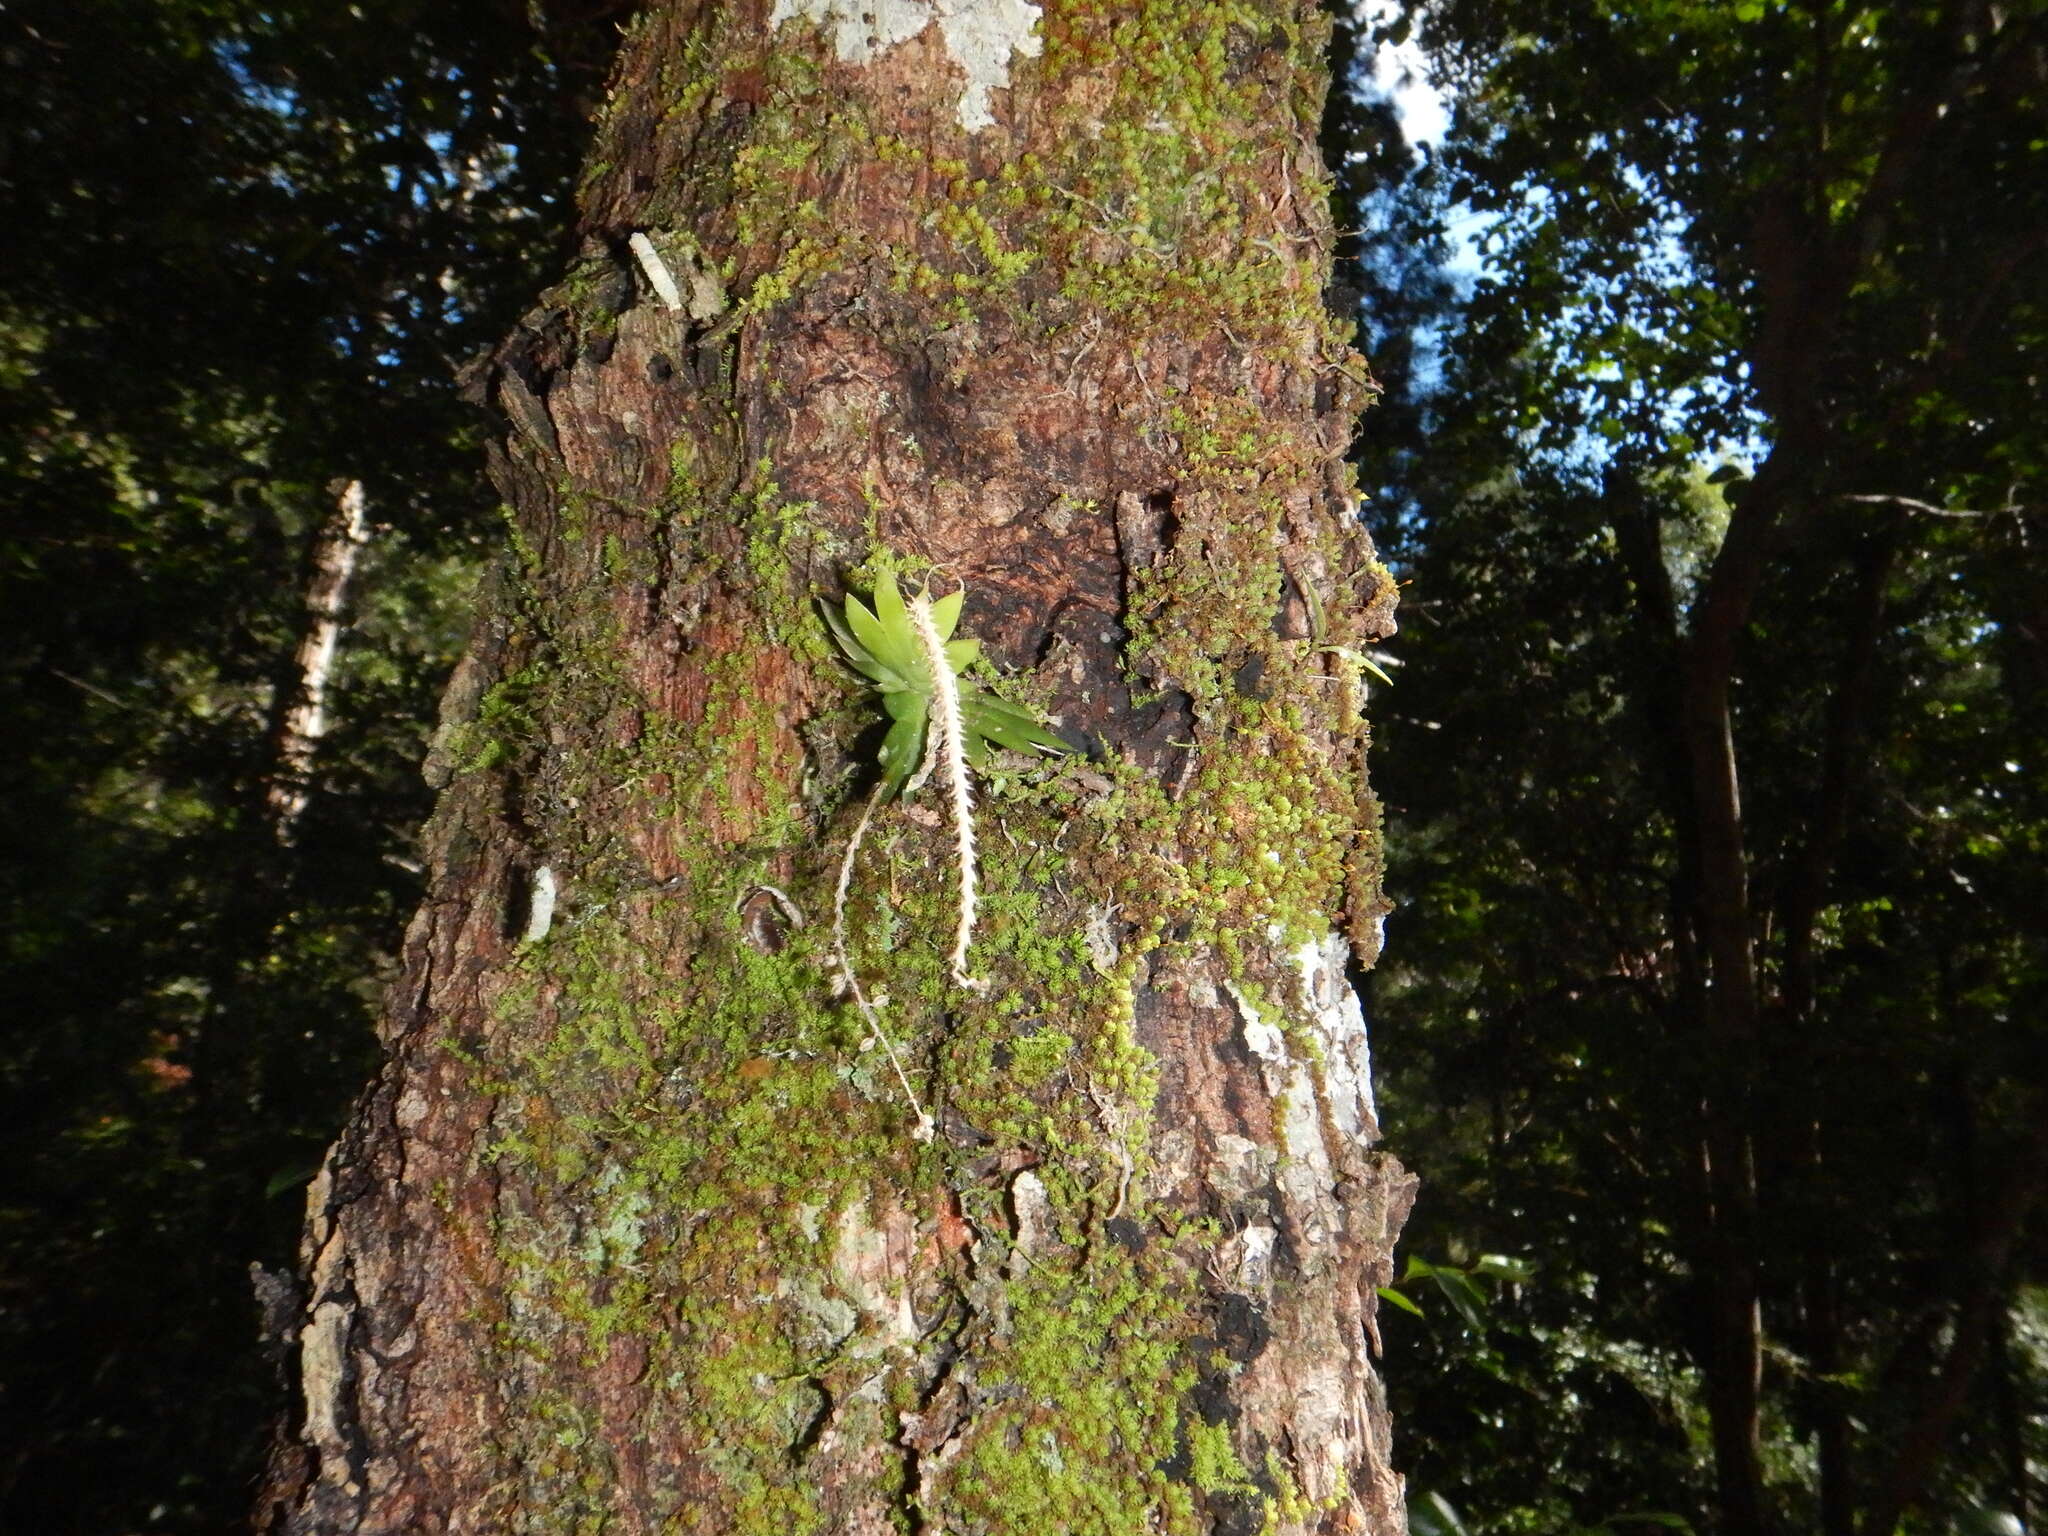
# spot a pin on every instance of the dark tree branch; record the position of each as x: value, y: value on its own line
x: 1928, y: 509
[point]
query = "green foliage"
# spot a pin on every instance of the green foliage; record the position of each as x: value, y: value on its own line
x: 882, y: 645
x: 246, y: 242
x: 1700, y: 244
x: 1459, y: 1284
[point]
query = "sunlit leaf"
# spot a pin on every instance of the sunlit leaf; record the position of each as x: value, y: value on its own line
x: 1397, y: 1298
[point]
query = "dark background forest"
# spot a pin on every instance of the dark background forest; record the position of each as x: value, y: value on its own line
x: 1710, y: 450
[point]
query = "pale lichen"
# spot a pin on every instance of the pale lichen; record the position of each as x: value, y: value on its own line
x: 980, y: 36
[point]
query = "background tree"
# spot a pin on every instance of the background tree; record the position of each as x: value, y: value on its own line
x: 1715, y: 784
x: 631, y: 1229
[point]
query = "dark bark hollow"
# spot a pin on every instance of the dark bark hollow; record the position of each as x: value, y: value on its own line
x: 632, y: 1233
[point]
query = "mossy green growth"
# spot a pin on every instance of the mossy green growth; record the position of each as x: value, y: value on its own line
x: 1149, y: 208
x: 690, y: 1125
x: 701, y: 1102
x: 504, y: 722
x: 1087, y: 1401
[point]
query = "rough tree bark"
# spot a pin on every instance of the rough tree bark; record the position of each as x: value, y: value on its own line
x: 632, y: 1232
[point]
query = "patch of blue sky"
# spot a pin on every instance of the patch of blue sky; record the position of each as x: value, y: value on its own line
x: 1642, y: 295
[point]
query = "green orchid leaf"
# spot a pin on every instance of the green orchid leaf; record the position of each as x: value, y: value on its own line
x: 881, y: 644
x: 1006, y: 725
x: 893, y: 640
x: 836, y: 622
x: 979, y: 702
x: 902, y: 751
x: 889, y: 609
x: 906, y: 703
x: 874, y: 640
x: 857, y: 655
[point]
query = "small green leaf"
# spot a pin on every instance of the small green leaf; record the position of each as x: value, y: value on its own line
x: 881, y: 644
x: 1501, y: 1267
x: 1430, y: 1514
x: 290, y: 1179
x: 857, y: 655
x: 1005, y: 724
x: 867, y: 629
x: 1466, y: 1299
x: 1388, y: 1294
x: 889, y: 607
x: 902, y: 751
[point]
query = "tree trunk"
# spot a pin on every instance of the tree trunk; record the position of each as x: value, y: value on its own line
x: 633, y: 1232
x: 304, y: 718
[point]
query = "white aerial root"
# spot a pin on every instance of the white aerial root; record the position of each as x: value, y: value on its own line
x: 948, y: 746
x: 873, y: 1020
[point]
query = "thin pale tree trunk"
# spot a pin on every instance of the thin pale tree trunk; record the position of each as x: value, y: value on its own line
x: 636, y: 1231
x: 304, y: 720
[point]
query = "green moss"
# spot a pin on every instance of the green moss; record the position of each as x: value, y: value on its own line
x: 704, y: 1103
x: 1213, y: 1461
x: 1035, y: 1057
x: 1088, y: 1394
x: 504, y: 722
x: 783, y: 550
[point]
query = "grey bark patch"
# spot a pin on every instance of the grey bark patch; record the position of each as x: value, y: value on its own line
x: 981, y: 36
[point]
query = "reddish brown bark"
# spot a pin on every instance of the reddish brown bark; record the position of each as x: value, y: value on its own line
x: 632, y: 1233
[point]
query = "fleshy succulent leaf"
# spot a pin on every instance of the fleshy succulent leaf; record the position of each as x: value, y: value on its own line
x: 1006, y: 725
x: 867, y: 629
x: 902, y: 751
x: 946, y: 613
x: 889, y: 608
x: 907, y: 704
x: 857, y: 655
x: 962, y: 654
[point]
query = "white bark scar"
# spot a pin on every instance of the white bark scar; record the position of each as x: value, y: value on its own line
x: 980, y: 36
x: 540, y: 911
x: 1339, y: 1021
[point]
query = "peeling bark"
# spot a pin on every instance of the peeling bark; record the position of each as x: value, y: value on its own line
x: 632, y: 1233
